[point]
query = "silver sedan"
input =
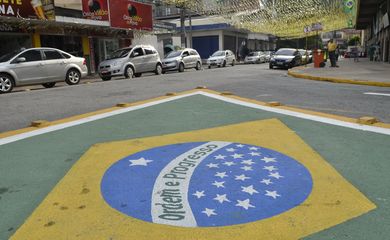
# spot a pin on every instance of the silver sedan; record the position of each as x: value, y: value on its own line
x: 44, y: 66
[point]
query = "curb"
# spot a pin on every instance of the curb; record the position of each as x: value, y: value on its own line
x: 338, y: 80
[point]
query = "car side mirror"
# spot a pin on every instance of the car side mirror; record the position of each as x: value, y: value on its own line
x: 20, y: 60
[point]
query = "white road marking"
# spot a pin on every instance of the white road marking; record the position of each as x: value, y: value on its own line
x: 174, y: 182
x: 331, y: 121
x: 379, y: 94
x: 315, y: 118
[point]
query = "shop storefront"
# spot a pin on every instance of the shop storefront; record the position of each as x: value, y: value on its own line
x: 79, y: 30
x: 95, y: 43
x: 14, y: 41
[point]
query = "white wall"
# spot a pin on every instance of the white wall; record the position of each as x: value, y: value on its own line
x: 176, y: 40
x: 149, y: 39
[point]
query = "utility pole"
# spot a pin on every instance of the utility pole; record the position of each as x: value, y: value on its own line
x: 190, y: 33
x: 183, y: 28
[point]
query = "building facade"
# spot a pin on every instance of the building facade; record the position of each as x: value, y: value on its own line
x: 66, y: 25
x: 209, y: 34
x: 373, y: 17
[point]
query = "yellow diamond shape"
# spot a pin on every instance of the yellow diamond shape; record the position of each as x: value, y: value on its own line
x: 75, y: 208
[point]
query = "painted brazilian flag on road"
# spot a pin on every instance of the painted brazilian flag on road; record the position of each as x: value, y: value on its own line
x: 206, y: 184
x: 194, y: 166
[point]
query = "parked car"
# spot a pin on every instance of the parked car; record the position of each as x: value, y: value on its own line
x: 255, y: 57
x: 44, y: 66
x: 286, y: 58
x: 305, y: 56
x: 182, y: 59
x: 310, y: 53
x: 221, y: 58
x: 131, y: 62
x: 268, y: 55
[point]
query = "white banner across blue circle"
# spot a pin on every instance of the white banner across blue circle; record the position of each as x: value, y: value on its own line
x: 205, y: 184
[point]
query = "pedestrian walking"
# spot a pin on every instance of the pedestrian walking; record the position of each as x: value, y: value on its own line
x: 332, y: 46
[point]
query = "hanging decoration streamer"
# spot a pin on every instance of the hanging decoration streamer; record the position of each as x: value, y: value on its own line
x: 283, y: 18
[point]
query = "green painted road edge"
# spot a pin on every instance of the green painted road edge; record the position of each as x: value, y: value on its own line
x: 293, y: 73
x: 30, y: 169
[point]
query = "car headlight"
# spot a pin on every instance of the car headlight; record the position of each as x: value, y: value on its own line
x: 272, y: 59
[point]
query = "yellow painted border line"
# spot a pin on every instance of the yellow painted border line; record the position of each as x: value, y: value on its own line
x: 332, y: 201
x: 214, y: 94
x: 338, y: 80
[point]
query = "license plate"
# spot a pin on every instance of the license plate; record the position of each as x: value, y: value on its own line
x: 279, y: 63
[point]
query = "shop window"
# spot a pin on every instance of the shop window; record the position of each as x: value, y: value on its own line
x: 52, y: 54
x: 13, y: 42
x: 70, y: 44
x: 31, y: 56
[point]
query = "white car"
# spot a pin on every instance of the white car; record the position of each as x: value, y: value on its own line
x: 182, y: 59
x: 131, y: 62
x: 44, y: 66
x: 255, y: 57
x: 221, y: 58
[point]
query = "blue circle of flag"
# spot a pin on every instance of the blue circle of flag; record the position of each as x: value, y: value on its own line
x: 205, y: 184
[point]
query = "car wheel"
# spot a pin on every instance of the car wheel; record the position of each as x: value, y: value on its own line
x: 6, y: 83
x: 129, y: 72
x: 137, y: 74
x: 72, y: 77
x: 49, y: 85
x: 106, y: 78
x: 271, y: 66
x: 158, y: 70
x: 224, y: 64
x: 198, y: 66
x: 233, y: 62
x: 209, y: 66
x: 181, y: 67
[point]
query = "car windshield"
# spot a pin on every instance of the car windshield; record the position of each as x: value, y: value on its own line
x: 218, y: 53
x: 120, y: 53
x: 287, y: 52
x: 8, y: 56
x: 173, y: 54
x: 253, y: 54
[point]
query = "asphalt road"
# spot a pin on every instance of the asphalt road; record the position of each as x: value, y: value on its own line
x: 19, y: 108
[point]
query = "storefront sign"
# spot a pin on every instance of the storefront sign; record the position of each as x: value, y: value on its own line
x: 34, y: 9
x: 307, y: 29
x: 129, y: 14
x: 316, y: 27
x: 95, y: 10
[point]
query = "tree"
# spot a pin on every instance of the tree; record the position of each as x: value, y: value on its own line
x: 354, y: 41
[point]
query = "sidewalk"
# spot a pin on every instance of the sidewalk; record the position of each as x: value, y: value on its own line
x: 363, y: 72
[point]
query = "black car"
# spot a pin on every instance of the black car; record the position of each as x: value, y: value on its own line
x: 286, y: 58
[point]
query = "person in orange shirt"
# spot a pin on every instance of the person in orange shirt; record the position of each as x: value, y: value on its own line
x: 332, y: 46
